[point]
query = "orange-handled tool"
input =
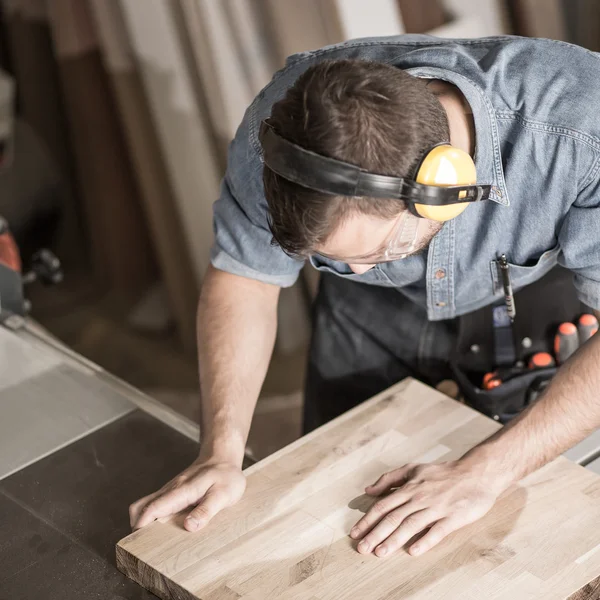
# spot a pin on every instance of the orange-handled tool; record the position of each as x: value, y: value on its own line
x: 491, y: 381
x: 587, y: 326
x: 566, y: 341
x: 541, y: 360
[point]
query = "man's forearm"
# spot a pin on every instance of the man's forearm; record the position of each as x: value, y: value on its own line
x: 568, y: 411
x: 237, y: 322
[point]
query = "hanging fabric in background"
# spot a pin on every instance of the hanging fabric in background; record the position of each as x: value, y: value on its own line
x: 157, y: 194
x: 539, y: 18
x: 230, y: 60
x: 7, y: 93
x: 423, y: 15
x: 230, y: 57
x: 582, y: 21
x: 122, y: 255
x: 181, y: 124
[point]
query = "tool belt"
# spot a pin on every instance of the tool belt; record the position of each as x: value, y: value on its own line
x: 541, y: 307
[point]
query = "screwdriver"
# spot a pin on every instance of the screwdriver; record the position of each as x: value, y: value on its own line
x: 566, y: 341
x: 587, y: 326
x: 541, y: 360
x: 493, y: 379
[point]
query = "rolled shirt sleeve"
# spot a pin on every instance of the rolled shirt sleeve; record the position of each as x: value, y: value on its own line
x: 579, y: 239
x: 243, y: 241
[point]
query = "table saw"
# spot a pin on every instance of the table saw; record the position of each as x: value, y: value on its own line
x: 77, y: 446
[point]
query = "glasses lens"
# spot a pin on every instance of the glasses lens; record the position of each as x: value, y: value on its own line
x: 402, y: 241
x: 404, y: 237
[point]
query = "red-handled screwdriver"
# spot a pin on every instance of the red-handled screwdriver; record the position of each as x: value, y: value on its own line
x: 587, y: 326
x: 541, y: 360
x: 566, y: 341
x: 491, y: 380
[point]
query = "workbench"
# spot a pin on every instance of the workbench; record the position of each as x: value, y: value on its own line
x: 77, y: 446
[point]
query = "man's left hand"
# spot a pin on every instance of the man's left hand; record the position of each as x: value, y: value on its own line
x: 439, y: 498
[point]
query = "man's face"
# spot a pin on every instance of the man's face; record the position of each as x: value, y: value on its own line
x: 369, y: 240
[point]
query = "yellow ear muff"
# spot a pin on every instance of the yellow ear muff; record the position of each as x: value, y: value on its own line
x: 445, y: 165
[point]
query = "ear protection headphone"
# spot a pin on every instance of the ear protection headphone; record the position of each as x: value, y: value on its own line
x: 443, y: 187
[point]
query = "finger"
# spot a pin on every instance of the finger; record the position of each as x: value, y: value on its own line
x: 435, y: 535
x: 390, y: 523
x: 214, y: 501
x: 378, y: 511
x: 169, y: 503
x: 136, y: 508
x: 394, y: 478
x: 411, y: 526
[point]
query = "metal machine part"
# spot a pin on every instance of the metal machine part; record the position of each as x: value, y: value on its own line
x: 45, y: 267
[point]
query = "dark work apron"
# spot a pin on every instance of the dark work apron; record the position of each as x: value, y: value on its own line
x: 366, y: 338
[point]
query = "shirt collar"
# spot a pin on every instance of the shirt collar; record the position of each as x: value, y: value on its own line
x: 488, y: 159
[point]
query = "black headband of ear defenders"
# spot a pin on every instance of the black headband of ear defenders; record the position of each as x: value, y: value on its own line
x: 331, y: 176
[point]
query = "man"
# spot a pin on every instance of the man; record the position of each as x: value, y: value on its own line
x: 526, y: 110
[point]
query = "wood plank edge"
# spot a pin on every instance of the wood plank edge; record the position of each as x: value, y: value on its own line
x: 590, y: 591
x: 148, y: 578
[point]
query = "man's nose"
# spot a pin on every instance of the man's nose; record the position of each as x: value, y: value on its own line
x: 360, y: 269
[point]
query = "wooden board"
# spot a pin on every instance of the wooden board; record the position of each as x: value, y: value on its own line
x: 352, y: 19
x: 288, y: 537
x: 122, y: 253
x: 181, y: 125
x: 218, y: 66
x: 311, y: 24
x: 472, y: 18
x: 151, y: 171
x: 421, y: 16
x: 539, y: 18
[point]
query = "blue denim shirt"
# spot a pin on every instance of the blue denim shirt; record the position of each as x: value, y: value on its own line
x: 536, y: 107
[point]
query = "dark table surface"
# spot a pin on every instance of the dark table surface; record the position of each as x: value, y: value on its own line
x: 61, y: 517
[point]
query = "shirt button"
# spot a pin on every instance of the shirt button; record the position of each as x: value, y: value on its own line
x: 440, y: 274
x: 440, y: 304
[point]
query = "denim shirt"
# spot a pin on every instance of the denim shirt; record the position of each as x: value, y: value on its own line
x: 536, y: 107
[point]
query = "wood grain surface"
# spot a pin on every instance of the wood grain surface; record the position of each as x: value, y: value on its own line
x: 288, y: 537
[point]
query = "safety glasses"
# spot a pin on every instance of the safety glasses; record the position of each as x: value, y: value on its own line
x: 400, y: 242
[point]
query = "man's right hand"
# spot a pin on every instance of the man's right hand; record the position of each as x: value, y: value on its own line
x: 237, y: 324
x: 207, y: 485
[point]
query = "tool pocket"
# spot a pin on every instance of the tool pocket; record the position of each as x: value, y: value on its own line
x: 541, y: 307
x: 508, y: 400
x: 522, y: 275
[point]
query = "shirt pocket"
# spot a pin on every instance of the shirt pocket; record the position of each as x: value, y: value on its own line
x: 524, y: 274
x: 374, y: 276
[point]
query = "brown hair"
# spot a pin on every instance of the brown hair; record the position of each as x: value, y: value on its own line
x: 370, y: 114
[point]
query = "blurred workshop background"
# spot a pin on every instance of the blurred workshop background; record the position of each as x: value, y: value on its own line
x: 115, y: 116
